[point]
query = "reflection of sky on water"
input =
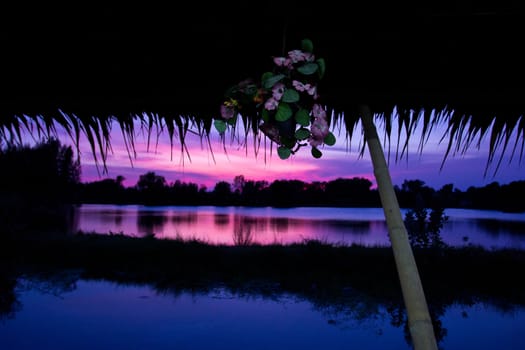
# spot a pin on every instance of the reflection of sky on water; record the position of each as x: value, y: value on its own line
x: 489, y: 233
x: 467, y: 324
x: 244, y: 225
x: 104, y: 315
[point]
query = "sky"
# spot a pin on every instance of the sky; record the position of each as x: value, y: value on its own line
x: 206, y: 164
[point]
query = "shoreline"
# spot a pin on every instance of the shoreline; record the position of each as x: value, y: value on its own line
x: 447, y: 273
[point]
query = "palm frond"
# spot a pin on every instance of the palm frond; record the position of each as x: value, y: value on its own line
x: 463, y: 132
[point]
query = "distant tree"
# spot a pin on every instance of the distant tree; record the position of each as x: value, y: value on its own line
x: 38, y: 184
x: 104, y: 191
x: 487, y: 197
x: 184, y: 193
x: 120, y: 181
x: 349, y: 192
x: 512, y: 196
x: 238, y: 184
x: 314, y: 194
x: 287, y: 193
x: 254, y: 193
x: 414, y: 190
x: 151, y: 182
x: 47, y: 167
x: 222, y: 193
x: 447, y: 197
x: 152, y: 188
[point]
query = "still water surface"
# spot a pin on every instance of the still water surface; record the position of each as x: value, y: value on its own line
x: 63, y: 313
x: 105, y: 315
x: 244, y: 225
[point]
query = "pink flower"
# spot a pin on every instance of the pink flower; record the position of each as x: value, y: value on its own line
x: 298, y: 85
x: 318, y: 111
x: 278, y: 91
x: 310, y: 89
x: 227, y: 112
x: 315, y: 142
x: 319, y: 129
x: 299, y: 56
x: 271, y: 104
x: 283, y: 62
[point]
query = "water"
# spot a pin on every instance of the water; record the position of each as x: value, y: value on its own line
x: 93, y: 314
x: 66, y: 311
x: 243, y: 225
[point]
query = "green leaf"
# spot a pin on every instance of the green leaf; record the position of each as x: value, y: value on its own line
x: 302, y: 134
x: 266, y: 75
x: 288, y: 141
x: 322, y: 67
x: 272, y: 80
x: 329, y: 139
x: 284, y: 152
x: 302, y: 117
x: 284, y: 112
x: 316, y: 153
x: 290, y: 96
x: 308, y: 68
x: 307, y: 45
x: 220, y: 125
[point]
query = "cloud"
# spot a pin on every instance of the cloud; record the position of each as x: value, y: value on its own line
x: 207, y: 163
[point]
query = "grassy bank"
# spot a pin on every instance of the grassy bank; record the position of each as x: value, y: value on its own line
x: 446, y: 273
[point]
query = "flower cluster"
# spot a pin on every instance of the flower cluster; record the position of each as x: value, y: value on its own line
x: 287, y: 101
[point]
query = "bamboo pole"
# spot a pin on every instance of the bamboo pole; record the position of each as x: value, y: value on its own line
x: 419, y: 321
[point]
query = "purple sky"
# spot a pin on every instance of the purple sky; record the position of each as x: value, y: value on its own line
x: 205, y: 166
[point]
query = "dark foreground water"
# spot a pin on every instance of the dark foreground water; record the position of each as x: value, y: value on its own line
x: 244, y: 225
x: 91, y: 314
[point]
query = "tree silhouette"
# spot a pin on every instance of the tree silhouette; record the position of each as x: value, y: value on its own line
x: 349, y: 192
x: 151, y: 188
x: 285, y: 193
x: 37, y: 186
x: 151, y: 182
x: 222, y: 193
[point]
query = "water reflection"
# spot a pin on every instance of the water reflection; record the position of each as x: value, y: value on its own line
x: 234, y: 225
x: 243, y: 230
x: 184, y: 217
x: 356, y: 227
x: 280, y: 225
x: 498, y: 227
x: 221, y: 220
x: 255, y: 315
x: 151, y: 223
x: 118, y: 216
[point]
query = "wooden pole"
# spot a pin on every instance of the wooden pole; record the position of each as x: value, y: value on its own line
x: 419, y: 321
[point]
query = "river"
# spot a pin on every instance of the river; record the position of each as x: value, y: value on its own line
x: 267, y: 225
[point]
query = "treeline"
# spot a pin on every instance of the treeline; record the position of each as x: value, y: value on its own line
x: 38, y: 186
x: 45, y: 179
x: 153, y: 189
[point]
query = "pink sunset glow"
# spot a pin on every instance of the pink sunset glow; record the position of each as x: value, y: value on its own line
x: 232, y: 226
x: 206, y: 164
